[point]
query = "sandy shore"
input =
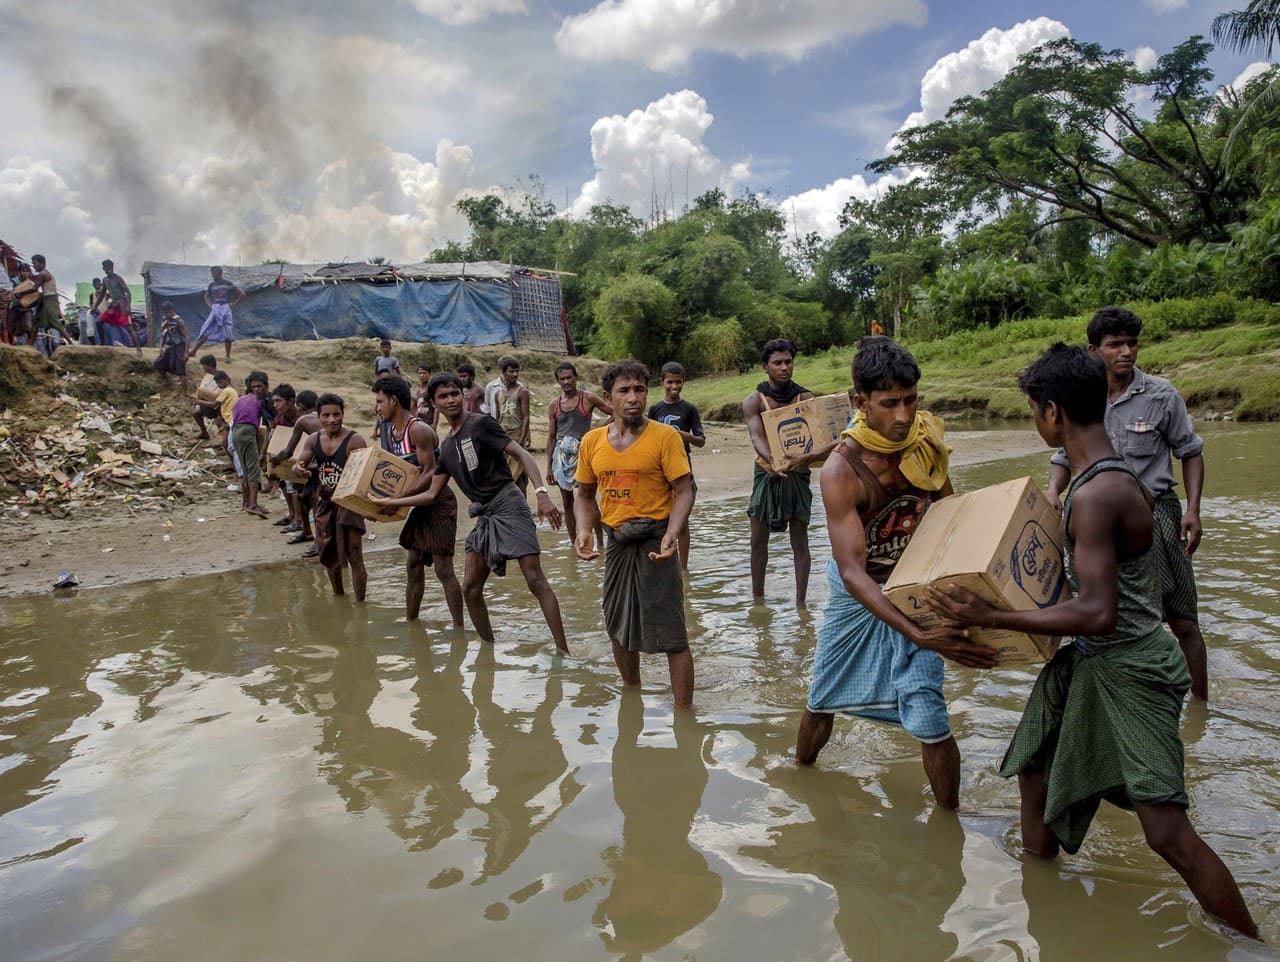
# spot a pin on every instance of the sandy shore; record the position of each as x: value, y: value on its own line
x: 214, y: 535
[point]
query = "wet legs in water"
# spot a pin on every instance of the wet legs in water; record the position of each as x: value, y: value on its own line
x: 1169, y: 833
x: 799, y: 533
x: 679, y: 664
x: 476, y: 573
x: 416, y: 568
x: 1191, y: 641
x: 941, y: 759
x: 355, y: 558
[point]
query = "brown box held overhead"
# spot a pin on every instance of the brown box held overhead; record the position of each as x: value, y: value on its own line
x: 806, y: 426
x: 278, y: 441
x: 1003, y: 543
x: 373, y: 471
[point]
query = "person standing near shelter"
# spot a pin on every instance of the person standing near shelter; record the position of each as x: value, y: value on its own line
x: 641, y: 471
x: 675, y: 412
x: 512, y: 406
x: 871, y: 659
x: 221, y: 296
x: 476, y: 455
x: 568, y: 421
x: 430, y: 531
x: 248, y: 441
x: 339, y: 532
x: 49, y: 310
x: 1103, y: 718
x: 781, y: 499
x: 119, y: 313
x: 1147, y: 420
x: 472, y: 393
x: 173, y: 348
x: 385, y: 362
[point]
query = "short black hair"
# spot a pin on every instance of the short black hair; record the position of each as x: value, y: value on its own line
x: 256, y: 376
x: 779, y: 345
x: 330, y: 398
x: 307, y: 400
x: 38, y: 257
x: 1114, y: 321
x: 285, y: 391
x: 673, y: 367
x: 627, y: 370
x: 467, y: 368
x: 386, y: 341
x: 209, y: 360
x: 220, y: 376
x: 565, y: 366
x: 441, y: 379
x: 424, y: 367
x: 394, y: 387
x: 881, y: 364
x: 507, y: 361
x: 167, y: 306
x: 1070, y: 377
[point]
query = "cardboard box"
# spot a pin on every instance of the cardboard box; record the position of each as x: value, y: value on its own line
x: 1003, y: 543
x: 798, y: 429
x: 373, y: 471
x: 278, y: 441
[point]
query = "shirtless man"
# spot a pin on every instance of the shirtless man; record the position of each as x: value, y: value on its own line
x: 472, y: 393
x: 339, y: 532
x: 1102, y: 720
x: 871, y: 659
x: 781, y: 500
x: 430, y: 531
x: 119, y: 313
x: 511, y: 409
x: 568, y: 421
x: 49, y: 315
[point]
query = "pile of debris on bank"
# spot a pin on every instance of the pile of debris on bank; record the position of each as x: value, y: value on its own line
x: 95, y: 456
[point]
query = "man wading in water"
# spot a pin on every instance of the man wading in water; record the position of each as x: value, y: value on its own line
x: 568, y: 421
x: 642, y: 473
x: 431, y: 529
x: 871, y: 659
x: 1102, y: 719
x: 780, y: 499
x: 338, y: 531
x: 1147, y: 420
x: 475, y: 455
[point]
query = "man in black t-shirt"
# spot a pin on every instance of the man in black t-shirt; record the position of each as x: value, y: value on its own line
x: 683, y: 416
x: 475, y: 456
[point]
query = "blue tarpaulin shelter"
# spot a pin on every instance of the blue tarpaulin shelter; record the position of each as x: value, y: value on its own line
x: 473, y: 304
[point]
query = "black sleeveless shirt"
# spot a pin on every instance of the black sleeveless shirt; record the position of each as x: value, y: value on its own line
x: 329, y: 466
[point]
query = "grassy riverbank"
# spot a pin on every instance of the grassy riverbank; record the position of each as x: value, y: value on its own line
x: 1232, y: 369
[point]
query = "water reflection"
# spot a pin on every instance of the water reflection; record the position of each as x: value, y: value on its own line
x: 662, y: 886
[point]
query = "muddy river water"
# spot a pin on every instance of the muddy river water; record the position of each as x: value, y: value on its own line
x: 240, y: 767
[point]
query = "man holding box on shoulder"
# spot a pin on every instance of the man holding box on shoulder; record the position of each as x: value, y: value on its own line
x: 1102, y: 720
x: 339, y: 531
x: 431, y: 529
x: 781, y: 499
x: 871, y: 659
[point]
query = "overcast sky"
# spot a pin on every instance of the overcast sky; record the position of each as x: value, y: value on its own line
x: 222, y: 131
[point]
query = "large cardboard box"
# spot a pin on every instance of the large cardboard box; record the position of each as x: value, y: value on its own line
x: 278, y: 441
x: 373, y: 471
x: 1003, y: 543
x: 801, y: 428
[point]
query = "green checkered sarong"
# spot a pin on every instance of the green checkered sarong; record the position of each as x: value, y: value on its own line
x: 777, y: 501
x: 1177, y: 578
x: 1104, y: 725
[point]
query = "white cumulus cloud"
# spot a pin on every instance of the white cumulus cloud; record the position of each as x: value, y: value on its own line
x: 459, y: 12
x: 664, y: 34
x: 1251, y: 72
x: 49, y: 217
x: 1144, y: 57
x: 818, y: 210
x: 970, y: 71
x: 658, y: 149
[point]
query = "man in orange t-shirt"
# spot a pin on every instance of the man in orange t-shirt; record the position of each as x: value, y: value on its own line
x: 641, y: 472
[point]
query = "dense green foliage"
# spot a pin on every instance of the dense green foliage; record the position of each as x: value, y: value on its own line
x: 1076, y: 180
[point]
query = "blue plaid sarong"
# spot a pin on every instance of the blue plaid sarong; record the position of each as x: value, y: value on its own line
x: 863, y: 667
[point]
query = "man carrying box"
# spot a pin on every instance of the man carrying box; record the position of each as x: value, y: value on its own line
x: 339, y: 532
x: 1102, y: 719
x: 781, y: 498
x: 475, y: 456
x: 871, y: 660
x: 1147, y: 420
x: 431, y: 529
x: 642, y: 473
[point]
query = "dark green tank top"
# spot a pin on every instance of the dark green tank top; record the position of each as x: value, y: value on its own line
x: 1139, y: 611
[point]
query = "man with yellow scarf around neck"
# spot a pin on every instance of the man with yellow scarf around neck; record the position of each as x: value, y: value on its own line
x: 871, y: 660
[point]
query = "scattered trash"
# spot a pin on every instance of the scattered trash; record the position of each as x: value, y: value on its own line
x: 66, y: 580
x: 201, y: 520
x: 370, y: 537
x: 149, y: 447
x: 108, y: 550
x: 167, y: 538
x: 233, y: 487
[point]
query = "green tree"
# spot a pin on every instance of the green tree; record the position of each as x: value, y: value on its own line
x: 637, y: 316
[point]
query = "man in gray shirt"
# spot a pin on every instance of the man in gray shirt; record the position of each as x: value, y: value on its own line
x: 1147, y: 420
